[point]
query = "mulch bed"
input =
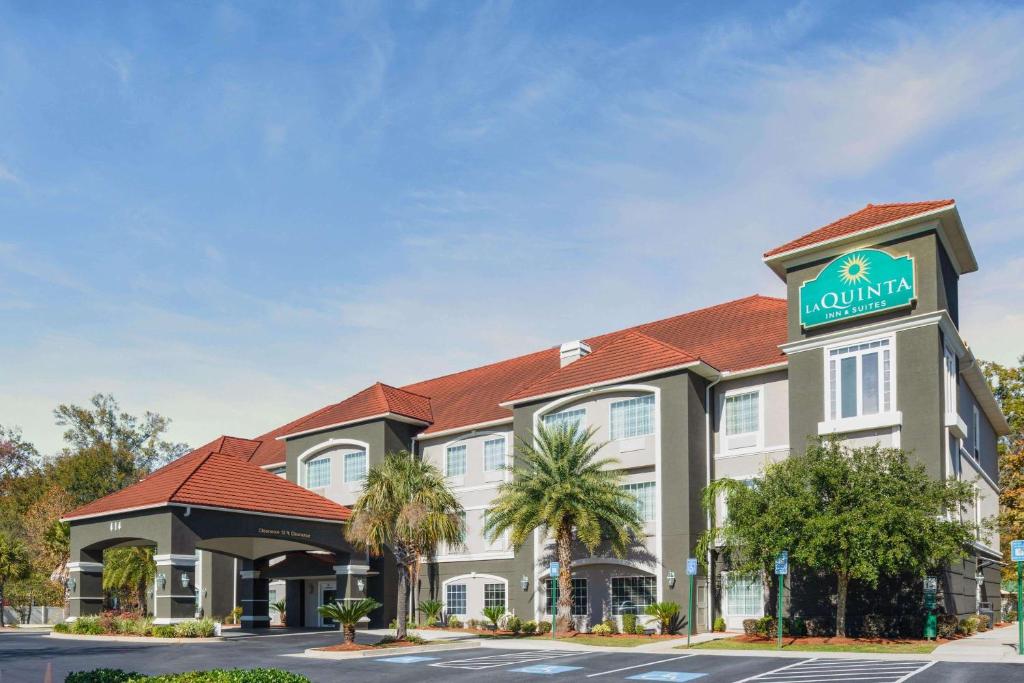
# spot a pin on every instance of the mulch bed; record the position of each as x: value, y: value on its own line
x: 352, y: 647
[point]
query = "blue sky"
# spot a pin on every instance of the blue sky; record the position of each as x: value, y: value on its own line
x: 236, y: 213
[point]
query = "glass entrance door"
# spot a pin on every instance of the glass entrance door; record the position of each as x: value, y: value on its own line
x: 328, y: 595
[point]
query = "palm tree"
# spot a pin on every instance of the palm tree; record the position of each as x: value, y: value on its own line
x: 348, y: 614
x: 665, y: 613
x: 407, y: 508
x: 279, y: 607
x: 561, y: 486
x: 431, y: 610
x: 14, y: 565
x: 132, y: 569
x: 494, y: 614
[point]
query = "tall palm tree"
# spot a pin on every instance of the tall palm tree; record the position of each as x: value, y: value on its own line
x: 132, y: 569
x: 407, y: 508
x: 562, y: 487
x: 14, y: 565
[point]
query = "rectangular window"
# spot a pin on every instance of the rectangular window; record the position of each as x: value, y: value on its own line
x: 632, y: 594
x: 494, y: 454
x: 494, y: 595
x: 355, y: 466
x: 455, y: 461
x: 632, y: 417
x: 318, y: 473
x: 579, y: 597
x: 860, y: 379
x: 949, y: 362
x: 743, y: 413
x: 976, y: 433
x: 566, y: 419
x: 645, y: 499
x: 745, y: 595
x: 455, y: 598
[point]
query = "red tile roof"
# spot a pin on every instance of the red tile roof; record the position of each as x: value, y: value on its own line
x: 379, y: 399
x: 628, y: 354
x: 871, y: 216
x: 207, y: 477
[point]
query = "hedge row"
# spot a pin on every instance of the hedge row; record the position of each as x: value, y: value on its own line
x: 212, y: 676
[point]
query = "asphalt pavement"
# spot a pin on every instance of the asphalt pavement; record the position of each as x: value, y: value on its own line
x: 33, y: 657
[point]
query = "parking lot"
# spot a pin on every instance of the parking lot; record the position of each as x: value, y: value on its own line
x: 32, y: 657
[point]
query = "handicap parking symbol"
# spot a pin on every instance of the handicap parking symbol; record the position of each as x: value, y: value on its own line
x: 546, y: 669
x: 665, y: 676
x: 405, y: 659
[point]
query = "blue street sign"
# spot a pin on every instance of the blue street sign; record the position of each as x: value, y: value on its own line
x: 782, y: 563
x: 553, y: 570
x: 691, y: 566
x: 1017, y: 551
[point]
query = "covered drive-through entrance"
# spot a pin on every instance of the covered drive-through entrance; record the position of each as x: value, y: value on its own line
x: 212, y: 500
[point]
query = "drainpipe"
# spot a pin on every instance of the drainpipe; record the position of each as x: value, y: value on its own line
x: 707, y: 445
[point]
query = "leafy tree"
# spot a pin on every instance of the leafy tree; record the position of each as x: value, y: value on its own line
x: 562, y: 487
x: 407, y: 508
x: 857, y: 514
x: 130, y: 569
x: 348, y: 614
x: 14, y: 565
x: 104, y: 424
x: 1007, y: 385
x: 16, y: 455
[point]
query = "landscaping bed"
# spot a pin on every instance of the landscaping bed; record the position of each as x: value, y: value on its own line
x: 129, y: 625
x: 824, y: 644
x: 614, y: 639
x: 212, y: 676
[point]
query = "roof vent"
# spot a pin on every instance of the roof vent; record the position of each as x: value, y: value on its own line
x: 573, y: 351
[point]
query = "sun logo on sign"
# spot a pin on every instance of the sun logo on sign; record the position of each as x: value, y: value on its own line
x: 854, y: 269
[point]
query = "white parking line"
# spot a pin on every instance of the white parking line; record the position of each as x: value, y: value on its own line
x: 827, y: 670
x: 756, y: 677
x: 627, y: 668
x: 492, y: 661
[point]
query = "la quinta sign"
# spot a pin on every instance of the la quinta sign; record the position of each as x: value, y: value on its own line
x: 859, y: 283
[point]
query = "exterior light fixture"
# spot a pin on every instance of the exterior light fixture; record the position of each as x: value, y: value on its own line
x: 71, y: 584
x: 184, y: 580
x: 671, y: 579
x: 161, y: 581
x: 360, y: 584
x: 524, y: 582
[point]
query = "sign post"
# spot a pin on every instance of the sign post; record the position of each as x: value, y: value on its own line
x: 1017, y: 555
x: 691, y: 572
x: 931, y: 587
x: 553, y: 570
x: 781, y: 569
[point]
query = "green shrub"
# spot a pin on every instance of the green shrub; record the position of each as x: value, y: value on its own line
x: 102, y: 676
x: 431, y: 611
x: 611, y: 625
x: 514, y: 624
x: 62, y: 628
x: 194, y: 628
x: 89, y: 626
x: 984, y: 622
x: 719, y: 625
x: 494, y: 614
x: 543, y: 627
x: 751, y: 627
x: 163, y: 631
x: 213, y: 676
x: 667, y: 615
x: 629, y: 623
x: 410, y: 637
x: 602, y: 630
x: 947, y: 625
x: 529, y: 627
x: 473, y: 623
x: 453, y: 622
x: 968, y: 626
x: 639, y: 630
x: 875, y: 626
x: 818, y: 627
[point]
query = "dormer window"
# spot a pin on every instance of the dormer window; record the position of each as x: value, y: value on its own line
x: 318, y: 473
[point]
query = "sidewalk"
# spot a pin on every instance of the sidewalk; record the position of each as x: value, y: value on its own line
x: 997, y: 645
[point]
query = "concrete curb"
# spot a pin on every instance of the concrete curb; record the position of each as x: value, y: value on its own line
x: 317, y: 653
x: 135, y: 639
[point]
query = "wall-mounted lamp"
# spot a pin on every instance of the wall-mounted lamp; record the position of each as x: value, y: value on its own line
x: 524, y: 582
x: 71, y: 584
x: 184, y: 580
x: 161, y: 581
x: 360, y: 584
x: 671, y: 579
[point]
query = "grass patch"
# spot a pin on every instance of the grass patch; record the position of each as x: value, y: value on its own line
x: 606, y: 641
x: 910, y: 647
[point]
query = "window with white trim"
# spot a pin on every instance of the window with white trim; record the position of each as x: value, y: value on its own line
x: 859, y: 379
x: 494, y: 454
x: 566, y: 419
x: 745, y: 594
x: 632, y: 594
x: 632, y: 417
x: 579, y: 596
x: 318, y: 473
x: 976, y: 433
x: 455, y: 461
x: 645, y: 498
x: 742, y: 416
x: 355, y: 466
x: 455, y: 598
x: 494, y: 595
x: 949, y: 368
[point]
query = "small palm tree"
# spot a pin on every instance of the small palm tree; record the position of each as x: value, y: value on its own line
x: 406, y: 508
x: 279, y: 607
x: 494, y: 614
x: 348, y: 614
x: 132, y: 569
x: 431, y: 610
x: 14, y: 565
x: 561, y: 486
x: 666, y: 613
